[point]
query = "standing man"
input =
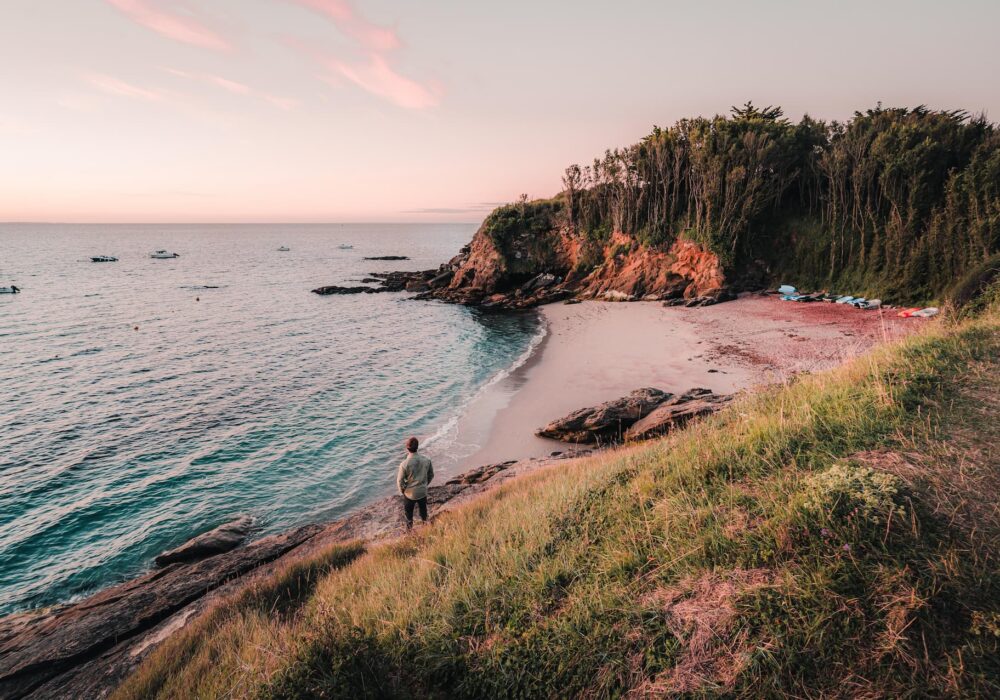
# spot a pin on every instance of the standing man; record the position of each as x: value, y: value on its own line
x: 415, y: 473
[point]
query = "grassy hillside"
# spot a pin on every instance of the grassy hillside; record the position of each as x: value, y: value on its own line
x: 836, y: 536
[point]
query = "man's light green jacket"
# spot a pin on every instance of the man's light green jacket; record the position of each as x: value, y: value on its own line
x: 415, y: 472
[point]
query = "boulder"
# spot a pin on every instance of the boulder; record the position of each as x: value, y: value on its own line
x: 442, y: 280
x: 221, y: 539
x: 643, y: 414
x: 675, y: 412
x: 607, y: 422
x: 546, y: 279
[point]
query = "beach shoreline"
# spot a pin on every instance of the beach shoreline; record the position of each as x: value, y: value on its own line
x: 597, y: 351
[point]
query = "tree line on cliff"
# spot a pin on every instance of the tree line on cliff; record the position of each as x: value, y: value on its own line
x: 895, y: 201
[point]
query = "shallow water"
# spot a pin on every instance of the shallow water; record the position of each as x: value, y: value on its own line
x: 146, y: 401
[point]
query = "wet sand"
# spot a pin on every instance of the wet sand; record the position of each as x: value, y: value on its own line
x: 598, y: 351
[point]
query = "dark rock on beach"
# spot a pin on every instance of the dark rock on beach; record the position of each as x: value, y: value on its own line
x: 675, y: 413
x: 221, y: 539
x: 607, y: 422
x: 642, y: 414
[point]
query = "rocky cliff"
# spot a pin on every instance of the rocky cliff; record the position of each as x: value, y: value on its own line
x: 525, y: 254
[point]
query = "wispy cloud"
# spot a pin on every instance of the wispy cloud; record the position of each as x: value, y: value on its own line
x: 115, y: 86
x: 173, y: 20
x: 379, y: 78
x: 373, y: 72
x: 342, y: 13
x: 235, y: 87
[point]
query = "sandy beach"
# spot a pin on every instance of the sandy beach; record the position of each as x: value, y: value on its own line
x: 598, y: 351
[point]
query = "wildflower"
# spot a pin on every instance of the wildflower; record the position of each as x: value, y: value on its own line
x: 824, y: 532
x: 847, y: 547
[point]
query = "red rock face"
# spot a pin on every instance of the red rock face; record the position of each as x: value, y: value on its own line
x: 699, y: 265
x: 628, y: 271
x: 483, y: 266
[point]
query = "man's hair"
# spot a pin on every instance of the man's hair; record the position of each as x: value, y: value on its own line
x: 412, y: 444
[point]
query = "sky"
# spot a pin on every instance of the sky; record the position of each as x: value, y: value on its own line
x: 423, y: 110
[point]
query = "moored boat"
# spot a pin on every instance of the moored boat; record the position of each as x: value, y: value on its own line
x: 103, y: 258
x: 163, y: 255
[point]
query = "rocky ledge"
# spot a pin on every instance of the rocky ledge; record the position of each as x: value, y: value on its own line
x: 643, y: 414
x: 84, y: 649
x: 421, y: 281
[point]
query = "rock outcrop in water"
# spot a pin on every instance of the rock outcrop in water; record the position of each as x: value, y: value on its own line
x: 222, y: 539
x: 421, y: 281
x: 644, y: 413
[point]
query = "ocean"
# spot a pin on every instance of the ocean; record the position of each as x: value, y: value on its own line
x: 145, y: 401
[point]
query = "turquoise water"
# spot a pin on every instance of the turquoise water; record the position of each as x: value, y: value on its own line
x: 145, y: 401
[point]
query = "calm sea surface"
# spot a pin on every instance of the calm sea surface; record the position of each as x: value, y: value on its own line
x: 145, y: 401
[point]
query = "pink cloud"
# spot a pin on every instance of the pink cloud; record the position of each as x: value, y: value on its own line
x: 229, y: 85
x: 235, y: 87
x: 371, y: 36
x: 379, y: 78
x: 179, y: 27
x: 114, y: 86
x: 375, y: 74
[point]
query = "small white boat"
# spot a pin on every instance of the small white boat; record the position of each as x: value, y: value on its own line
x: 163, y: 255
x: 10, y: 290
x: 284, y: 249
x: 346, y: 246
x: 103, y: 258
